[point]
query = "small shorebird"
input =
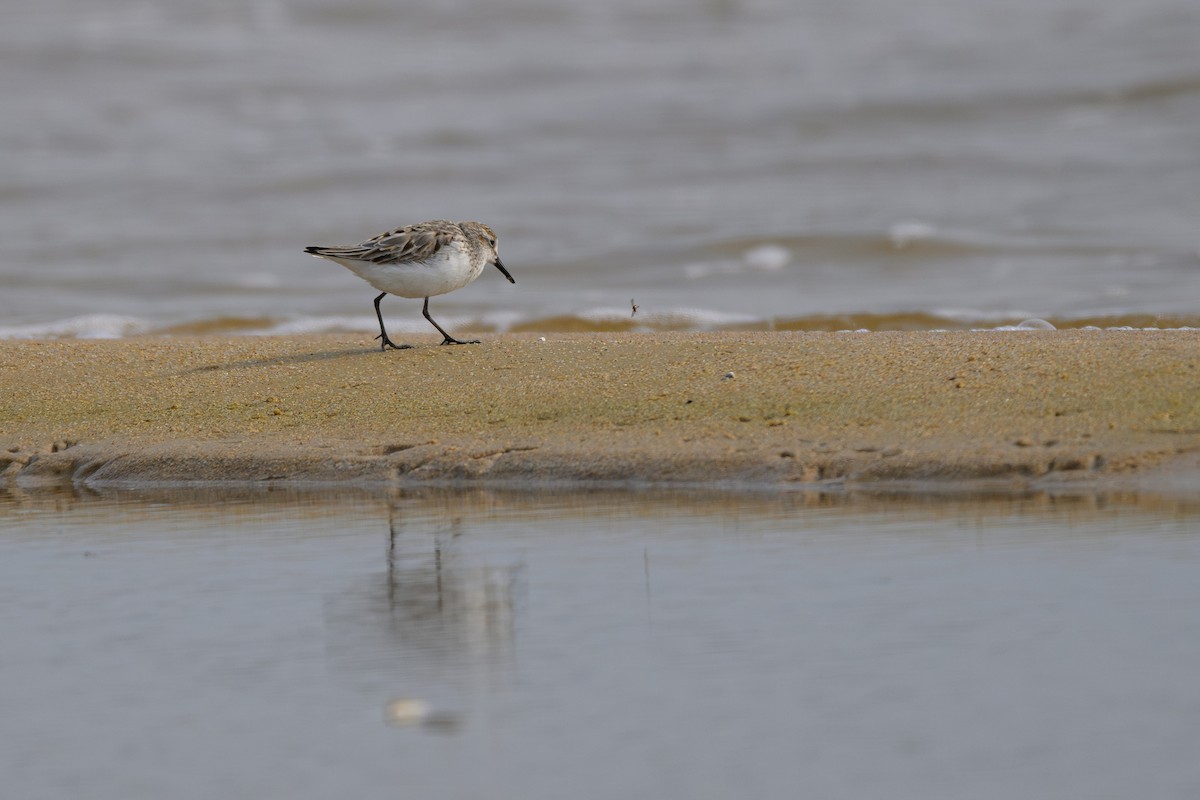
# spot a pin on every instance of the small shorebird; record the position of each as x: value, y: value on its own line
x: 422, y: 260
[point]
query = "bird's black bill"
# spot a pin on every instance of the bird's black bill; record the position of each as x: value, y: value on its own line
x: 500, y: 267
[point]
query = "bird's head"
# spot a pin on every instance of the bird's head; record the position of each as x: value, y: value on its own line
x: 486, y: 236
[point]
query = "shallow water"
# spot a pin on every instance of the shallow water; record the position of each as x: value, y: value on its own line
x: 181, y: 645
x: 726, y: 163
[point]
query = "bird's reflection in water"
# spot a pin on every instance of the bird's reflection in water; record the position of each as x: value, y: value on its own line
x: 445, y: 599
x: 439, y: 621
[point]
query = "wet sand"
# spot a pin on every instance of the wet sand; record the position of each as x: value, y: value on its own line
x: 767, y: 409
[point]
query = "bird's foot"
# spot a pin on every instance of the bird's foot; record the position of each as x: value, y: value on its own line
x: 452, y: 340
x: 386, y: 343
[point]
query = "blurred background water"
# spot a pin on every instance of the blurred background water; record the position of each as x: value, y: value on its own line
x: 757, y: 163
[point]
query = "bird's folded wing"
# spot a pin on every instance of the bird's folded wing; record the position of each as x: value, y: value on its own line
x: 404, y: 246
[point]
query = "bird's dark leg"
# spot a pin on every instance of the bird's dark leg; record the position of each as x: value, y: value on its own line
x: 449, y: 339
x: 383, y: 333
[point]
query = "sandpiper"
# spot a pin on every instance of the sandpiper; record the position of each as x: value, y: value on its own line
x: 422, y: 260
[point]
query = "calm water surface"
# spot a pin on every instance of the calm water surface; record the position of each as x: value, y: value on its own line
x: 598, y: 645
x: 788, y: 163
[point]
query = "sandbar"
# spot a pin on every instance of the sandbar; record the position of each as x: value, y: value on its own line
x: 767, y: 409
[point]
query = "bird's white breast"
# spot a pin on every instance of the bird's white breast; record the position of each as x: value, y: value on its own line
x: 448, y: 269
